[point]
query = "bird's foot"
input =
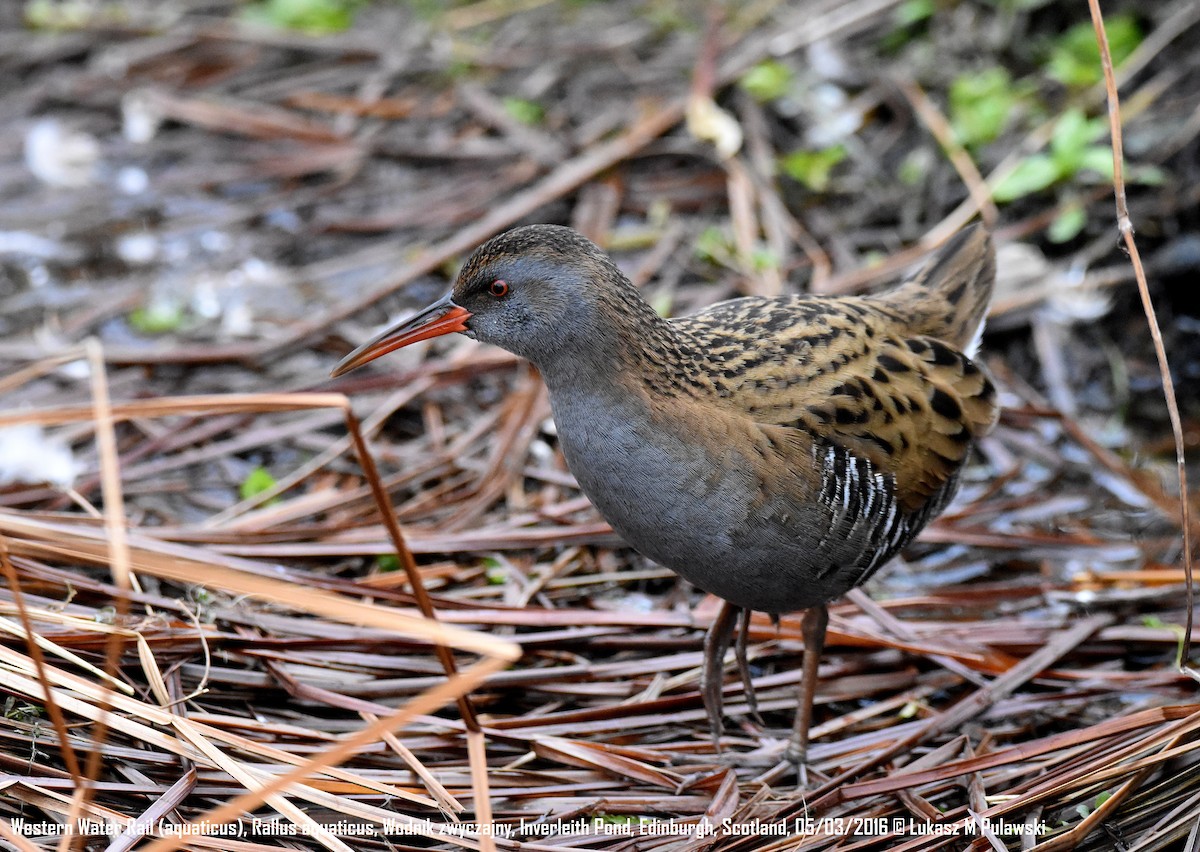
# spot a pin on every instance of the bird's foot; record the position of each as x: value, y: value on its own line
x: 796, y: 757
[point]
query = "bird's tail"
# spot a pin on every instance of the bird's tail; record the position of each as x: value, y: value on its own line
x: 949, y: 297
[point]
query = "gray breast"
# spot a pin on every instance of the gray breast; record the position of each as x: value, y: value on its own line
x: 698, y: 510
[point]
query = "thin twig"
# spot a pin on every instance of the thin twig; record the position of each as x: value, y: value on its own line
x: 1125, y: 226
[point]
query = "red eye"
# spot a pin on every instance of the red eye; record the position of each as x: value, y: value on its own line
x: 498, y: 288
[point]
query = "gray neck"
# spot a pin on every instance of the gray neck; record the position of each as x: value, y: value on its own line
x: 618, y: 369
x: 618, y: 343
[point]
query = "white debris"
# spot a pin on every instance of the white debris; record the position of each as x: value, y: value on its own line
x: 59, y: 156
x: 28, y: 455
x: 141, y: 117
x: 132, y: 181
x: 137, y: 249
x: 709, y: 123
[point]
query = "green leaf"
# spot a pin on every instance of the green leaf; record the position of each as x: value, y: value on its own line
x: 1124, y: 37
x: 1075, y: 58
x: 497, y: 576
x: 714, y: 245
x: 256, y: 482
x: 767, y: 81
x: 763, y: 259
x: 913, y: 12
x: 1072, y: 134
x: 662, y: 303
x: 915, y: 167
x: 495, y: 571
x: 159, y: 317
x: 387, y: 562
x: 980, y: 105
x: 1067, y: 224
x: 526, y: 112
x: 315, y: 17
x: 813, y: 168
x: 1033, y: 174
x: 1098, y: 159
x: 59, y: 15
x: 907, y: 22
x: 22, y: 711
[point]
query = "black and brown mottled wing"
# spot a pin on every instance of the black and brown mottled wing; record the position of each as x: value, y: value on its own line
x: 914, y: 407
x: 882, y: 378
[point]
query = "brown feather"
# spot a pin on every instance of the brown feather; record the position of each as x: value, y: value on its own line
x: 869, y: 374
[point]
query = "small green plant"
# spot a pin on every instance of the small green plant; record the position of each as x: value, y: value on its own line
x: 495, y: 571
x: 1068, y: 223
x: 256, y: 482
x: 913, y: 12
x: 1071, y: 151
x: 763, y: 259
x: 1075, y: 57
x: 813, y: 168
x: 74, y: 14
x: 715, y: 245
x: 203, y: 602
x: 767, y: 81
x: 1084, y: 809
x: 385, y: 563
x: 526, y: 112
x: 21, y: 711
x: 315, y: 17
x: 1177, y: 629
x: 908, y: 20
x: 158, y: 317
x: 663, y: 303
x: 981, y: 105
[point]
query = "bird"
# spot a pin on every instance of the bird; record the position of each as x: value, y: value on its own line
x: 774, y: 452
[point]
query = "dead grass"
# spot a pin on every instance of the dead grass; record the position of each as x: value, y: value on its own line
x: 175, y: 653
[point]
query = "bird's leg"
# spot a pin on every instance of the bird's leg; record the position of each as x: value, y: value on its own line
x: 816, y: 619
x: 743, y: 663
x: 716, y: 643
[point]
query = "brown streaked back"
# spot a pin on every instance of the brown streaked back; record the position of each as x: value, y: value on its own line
x: 883, y: 376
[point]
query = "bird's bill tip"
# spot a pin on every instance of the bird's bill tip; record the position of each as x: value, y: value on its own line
x: 442, y: 317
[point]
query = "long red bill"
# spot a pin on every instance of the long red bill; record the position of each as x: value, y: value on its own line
x: 442, y: 317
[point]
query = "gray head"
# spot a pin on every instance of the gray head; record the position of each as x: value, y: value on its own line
x: 543, y: 292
